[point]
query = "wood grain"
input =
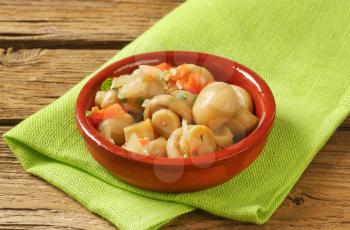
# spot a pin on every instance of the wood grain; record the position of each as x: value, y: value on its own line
x: 75, y: 24
x: 31, y: 79
x: 27, y: 202
x: 57, y: 43
x: 320, y: 200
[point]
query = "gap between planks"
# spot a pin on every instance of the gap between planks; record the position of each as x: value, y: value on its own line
x: 76, y: 24
x: 17, y: 44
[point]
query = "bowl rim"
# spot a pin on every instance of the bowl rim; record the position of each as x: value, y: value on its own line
x: 259, y: 133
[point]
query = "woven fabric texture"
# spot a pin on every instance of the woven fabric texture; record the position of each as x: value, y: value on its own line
x: 301, y: 49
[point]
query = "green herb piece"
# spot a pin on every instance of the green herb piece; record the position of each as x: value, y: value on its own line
x: 87, y: 113
x: 139, y: 100
x: 123, y: 100
x: 182, y: 96
x: 106, y: 85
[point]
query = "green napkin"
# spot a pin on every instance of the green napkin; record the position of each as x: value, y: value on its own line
x: 301, y: 48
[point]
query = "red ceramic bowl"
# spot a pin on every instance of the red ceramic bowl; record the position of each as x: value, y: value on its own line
x: 179, y: 175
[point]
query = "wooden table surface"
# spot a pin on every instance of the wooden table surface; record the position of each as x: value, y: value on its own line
x: 48, y: 46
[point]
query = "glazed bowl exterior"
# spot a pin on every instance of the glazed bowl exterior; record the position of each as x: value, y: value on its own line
x: 179, y: 175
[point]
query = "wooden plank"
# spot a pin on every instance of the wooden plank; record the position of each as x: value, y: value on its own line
x: 346, y: 123
x: 320, y: 200
x: 93, y: 24
x: 27, y: 202
x: 32, y: 78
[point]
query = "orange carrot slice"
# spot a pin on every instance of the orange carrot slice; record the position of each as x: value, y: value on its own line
x: 98, y: 115
x: 163, y: 66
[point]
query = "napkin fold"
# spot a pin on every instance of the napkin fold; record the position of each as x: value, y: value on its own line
x: 301, y: 49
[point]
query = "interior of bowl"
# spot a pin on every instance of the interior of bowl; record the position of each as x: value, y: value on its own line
x: 222, y: 69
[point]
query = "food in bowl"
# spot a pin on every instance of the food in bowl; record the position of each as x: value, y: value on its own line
x: 180, y: 174
x: 172, y: 111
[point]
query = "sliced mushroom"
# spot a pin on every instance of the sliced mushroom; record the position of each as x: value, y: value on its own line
x: 110, y: 98
x: 157, y: 147
x: 113, y: 129
x: 199, y: 69
x: 194, y: 140
x: 247, y: 119
x: 204, y: 74
x: 118, y: 82
x: 165, y: 121
x: 169, y: 102
x: 215, y: 105
x: 237, y: 129
x: 173, y: 150
x: 143, y: 86
x: 142, y: 129
x: 245, y: 100
x: 197, y: 140
x: 142, y: 77
x: 186, y: 96
x: 151, y: 70
x: 242, y: 124
x: 223, y: 137
x: 191, y: 77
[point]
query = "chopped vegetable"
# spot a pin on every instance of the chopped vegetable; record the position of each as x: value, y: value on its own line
x: 98, y: 115
x: 87, y: 113
x: 193, y: 83
x: 139, y: 100
x: 95, y: 108
x: 106, y: 85
x: 144, y: 141
x: 190, y: 81
x: 163, y: 66
x: 182, y: 96
x: 114, y: 111
x: 134, y: 145
x: 142, y: 129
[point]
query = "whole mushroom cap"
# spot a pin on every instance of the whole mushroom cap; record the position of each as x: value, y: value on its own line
x: 215, y: 105
x: 245, y: 100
